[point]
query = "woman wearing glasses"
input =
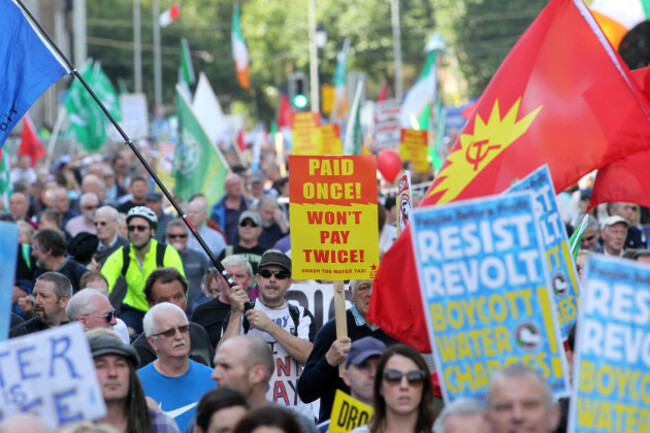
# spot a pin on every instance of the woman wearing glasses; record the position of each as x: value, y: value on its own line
x: 403, y: 394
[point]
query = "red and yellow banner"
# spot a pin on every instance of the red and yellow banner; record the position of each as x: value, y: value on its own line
x: 304, y: 133
x: 329, y: 140
x: 414, y: 148
x: 334, y: 227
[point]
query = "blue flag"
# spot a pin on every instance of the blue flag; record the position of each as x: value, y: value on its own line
x: 28, y: 67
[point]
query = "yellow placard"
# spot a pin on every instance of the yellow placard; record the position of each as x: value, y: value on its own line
x: 304, y: 138
x: 334, y: 228
x: 414, y: 148
x: 348, y: 413
x: 329, y: 140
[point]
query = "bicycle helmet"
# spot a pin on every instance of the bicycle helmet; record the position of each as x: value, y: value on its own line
x: 143, y: 212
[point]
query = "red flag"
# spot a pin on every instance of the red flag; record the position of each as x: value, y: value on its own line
x: 563, y: 97
x: 285, y: 116
x: 30, y: 144
x: 626, y: 179
x: 241, y: 141
x: 382, y: 92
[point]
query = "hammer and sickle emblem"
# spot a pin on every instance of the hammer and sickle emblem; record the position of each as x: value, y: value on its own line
x: 482, y: 150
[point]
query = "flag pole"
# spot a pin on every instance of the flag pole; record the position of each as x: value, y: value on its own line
x: 129, y: 142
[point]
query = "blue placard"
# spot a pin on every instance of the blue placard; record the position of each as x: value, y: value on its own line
x: 9, y: 236
x: 611, y: 387
x: 484, y: 289
x: 561, y: 268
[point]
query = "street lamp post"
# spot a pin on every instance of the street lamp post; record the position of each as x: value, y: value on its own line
x: 321, y: 41
x: 313, y: 57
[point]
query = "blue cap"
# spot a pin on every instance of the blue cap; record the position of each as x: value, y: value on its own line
x: 363, y: 349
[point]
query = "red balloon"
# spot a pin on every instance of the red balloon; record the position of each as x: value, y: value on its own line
x: 389, y: 164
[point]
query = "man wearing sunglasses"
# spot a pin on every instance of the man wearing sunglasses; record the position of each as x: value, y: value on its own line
x: 289, y: 329
x: 250, y: 230
x: 195, y: 264
x: 173, y: 380
x: 168, y: 285
x: 92, y: 308
x: 134, y: 263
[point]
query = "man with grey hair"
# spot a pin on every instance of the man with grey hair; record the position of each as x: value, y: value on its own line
x: 195, y: 263
x: 274, y: 226
x: 462, y: 415
x: 60, y: 202
x: 212, y: 314
x: 106, y: 219
x: 520, y: 399
x: 197, y: 213
x: 320, y: 378
x: 173, y: 380
x: 51, y: 293
x: 88, y: 204
x: 92, y: 308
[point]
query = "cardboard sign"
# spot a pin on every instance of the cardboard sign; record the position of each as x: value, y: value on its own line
x: 9, y: 236
x: 611, y: 391
x: 562, y: 272
x: 334, y: 228
x: 403, y: 201
x: 303, y: 134
x: 50, y: 374
x: 329, y: 140
x: 484, y: 285
x: 348, y: 413
x: 415, y: 148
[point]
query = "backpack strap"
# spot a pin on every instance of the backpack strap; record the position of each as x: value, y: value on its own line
x: 160, y: 254
x: 126, y: 260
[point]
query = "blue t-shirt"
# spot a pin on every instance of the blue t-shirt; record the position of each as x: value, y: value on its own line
x: 177, y: 396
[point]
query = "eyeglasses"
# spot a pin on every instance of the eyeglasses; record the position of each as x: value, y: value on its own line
x: 588, y: 238
x: 172, y: 236
x: 171, y: 332
x: 248, y: 223
x: 280, y: 275
x: 394, y: 377
x: 138, y: 228
x: 99, y: 223
x: 108, y: 316
x: 177, y: 298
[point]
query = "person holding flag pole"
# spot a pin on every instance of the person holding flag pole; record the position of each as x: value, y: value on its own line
x: 44, y: 35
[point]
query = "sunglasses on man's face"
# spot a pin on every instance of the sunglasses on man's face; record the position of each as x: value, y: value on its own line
x: 394, y: 377
x: 248, y: 223
x: 171, y: 332
x: 173, y: 236
x: 280, y: 275
x: 138, y: 228
x: 588, y: 238
x: 108, y: 316
x: 99, y: 223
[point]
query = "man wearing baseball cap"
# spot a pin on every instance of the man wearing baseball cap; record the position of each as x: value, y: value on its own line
x: 126, y: 406
x: 250, y: 230
x: 289, y: 329
x: 361, y: 365
x: 613, y: 230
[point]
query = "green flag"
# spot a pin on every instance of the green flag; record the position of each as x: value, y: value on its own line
x: 198, y: 165
x: 87, y: 120
x: 353, y: 135
x: 186, y: 75
x: 5, y: 183
x: 576, y: 237
x: 439, y: 136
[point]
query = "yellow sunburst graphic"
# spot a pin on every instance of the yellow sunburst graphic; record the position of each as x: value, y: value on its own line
x: 479, y: 149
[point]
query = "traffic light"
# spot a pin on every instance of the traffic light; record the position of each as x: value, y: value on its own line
x: 298, y: 88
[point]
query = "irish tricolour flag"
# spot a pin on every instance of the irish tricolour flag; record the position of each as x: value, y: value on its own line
x: 618, y: 17
x: 240, y: 52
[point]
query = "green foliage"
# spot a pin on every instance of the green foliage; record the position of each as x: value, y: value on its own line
x: 482, y: 32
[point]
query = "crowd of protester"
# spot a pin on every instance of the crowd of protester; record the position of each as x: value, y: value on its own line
x: 176, y: 349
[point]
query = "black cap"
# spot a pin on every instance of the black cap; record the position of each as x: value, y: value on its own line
x: 153, y: 196
x: 108, y: 345
x: 275, y: 258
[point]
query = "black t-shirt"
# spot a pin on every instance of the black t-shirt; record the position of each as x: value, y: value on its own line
x: 253, y: 255
x: 71, y: 269
x: 211, y: 315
